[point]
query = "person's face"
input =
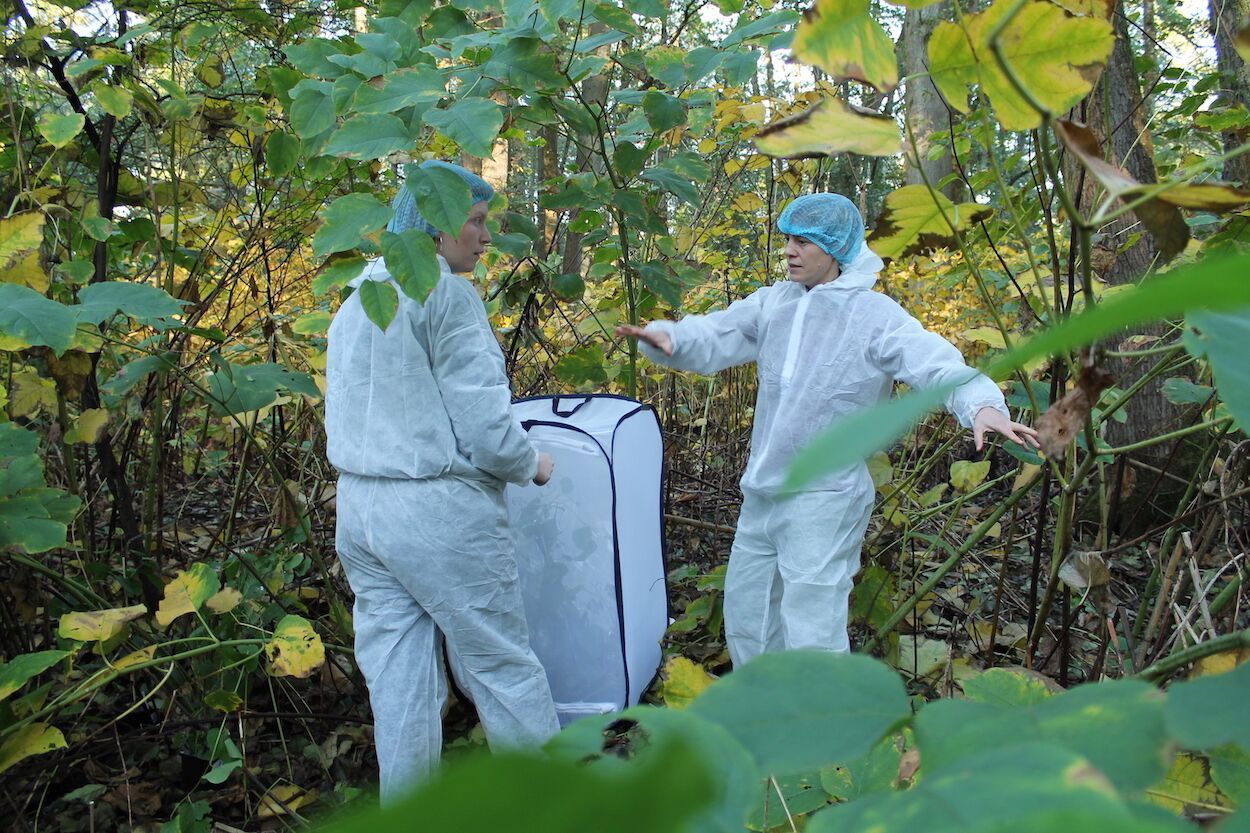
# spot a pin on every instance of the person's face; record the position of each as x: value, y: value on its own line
x: 462, y: 251
x: 809, y: 264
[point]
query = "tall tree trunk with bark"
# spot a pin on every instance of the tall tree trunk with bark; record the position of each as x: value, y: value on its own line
x: 1227, y: 18
x: 926, y: 112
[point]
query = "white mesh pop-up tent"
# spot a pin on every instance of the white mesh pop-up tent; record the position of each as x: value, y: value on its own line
x: 590, y: 549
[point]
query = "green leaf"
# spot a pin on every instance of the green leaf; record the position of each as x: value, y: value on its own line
x: 1116, y: 725
x: 581, y: 367
x: 312, y: 56
x: 35, y: 320
x: 343, y: 92
x: 443, y: 198
x: 472, y: 123
x: 33, y: 739
x: 400, y: 89
x: 1001, y: 687
x: 994, y: 789
x: 1181, y: 391
x: 661, y: 794
x: 1222, y: 337
x: 872, y: 773
x: 337, y: 273
x: 142, y: 302
x: 116, y: 101
x: 411, y: 258
x: 312, y: 109
x: 629, y: 159
x: 650, y: 731
x: 1054, y: 56
x: 36, y: 520
x: 767, y: 25
x: 60, y: 129
x: 916, y: 219
x: 841, y: 37
x: 136, y: 371
x: 668, y: 63
x: 1230, y: 769
x: 663, y: 111
x: 281, y: 152
x: 347, y: 220
x: 369, y: 137
x: 779, y: 706
x: 832, y: 126
x: 240, y: 388
x: 1210, y: 711
x: 380, y: 301
x: 674, y: 183
x: 23, y: 668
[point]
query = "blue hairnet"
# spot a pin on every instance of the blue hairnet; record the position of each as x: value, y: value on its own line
x: 831, y: 221
x: 407, y: 215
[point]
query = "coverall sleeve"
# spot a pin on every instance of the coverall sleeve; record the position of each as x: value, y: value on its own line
x: 712, y: 342
x: 468, y: 366
x: 923, y: 359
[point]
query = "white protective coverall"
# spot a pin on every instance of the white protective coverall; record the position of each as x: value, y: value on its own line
x: 420, y: 426
x: 821, y: 354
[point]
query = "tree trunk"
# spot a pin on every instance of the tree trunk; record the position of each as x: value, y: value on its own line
x: 926, y: 113
x: 1115, y: 112
x: 1227, y: 17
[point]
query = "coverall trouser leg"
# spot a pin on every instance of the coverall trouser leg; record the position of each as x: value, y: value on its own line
x: 431, y: 557
x: 791, y: 571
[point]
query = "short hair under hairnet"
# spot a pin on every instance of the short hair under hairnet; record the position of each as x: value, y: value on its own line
x: 408, y: 216
x: 831, y: 221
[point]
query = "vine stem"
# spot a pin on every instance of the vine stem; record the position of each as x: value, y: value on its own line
x: 1165, y: 667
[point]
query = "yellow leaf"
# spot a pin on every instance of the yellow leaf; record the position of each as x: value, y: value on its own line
x: 832, y: 126
x: 30, y: 392
x: 683, y: 681
x: 285, y: 798
x: 987, y: 335
x: 225, y: 600
x: 98, y: 625
x: 187, y: 593
x: 1188, y: 787
x: 841, y: 37
x: 27, y: 271
x: 1027, y: 470
x: 136, y: 658
x: 749, y: 201
x: 1057, y: 58
x: 19, y: 236
x: 967, y: 475
x: 35, y: 739
x: 88, y: 427
x: 916, y: 220
x: 1219, y: 663
x: 707, y: 146
x: 880, y: 469
x: 295, y: 649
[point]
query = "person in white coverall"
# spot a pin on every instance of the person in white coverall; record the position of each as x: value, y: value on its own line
x: 420, y: 427
x: 825, y: 345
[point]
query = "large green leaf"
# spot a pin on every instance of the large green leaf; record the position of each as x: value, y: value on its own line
x: 239, y: 388
x: 400, y: 89
x: 800, y: 710
x: 32, y: 318
x: 142, y: 302
x: 313, y: 57
x: 511, y: 792
x: 134, y: 372
x: 769, y: 24
x: 337, y: 272
x: 842, y: 38
x: 663, y: 111
x: 1222, y: 337
x: 312, y: 109
x: 1211, y: 710
x: 411, y: 258
x: 525, y: 63
x: 21, y: 669
x: 443, y: 198
x: 36, y: 520
x: 348, y: 219
x: 380, y: 301
x: 281, y: 152
x: 1004, y: 784
x: 472, y: 123
x: 832, y: 126
x: 116, y: 101
x: 369, y: 137
x: 1054, y: 55
x: 673, y: 182
x: 1117, y: 726
x: 60, y: 129
x: 645, y: 731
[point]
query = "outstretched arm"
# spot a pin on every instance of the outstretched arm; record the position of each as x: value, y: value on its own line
x: 655, y: 338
